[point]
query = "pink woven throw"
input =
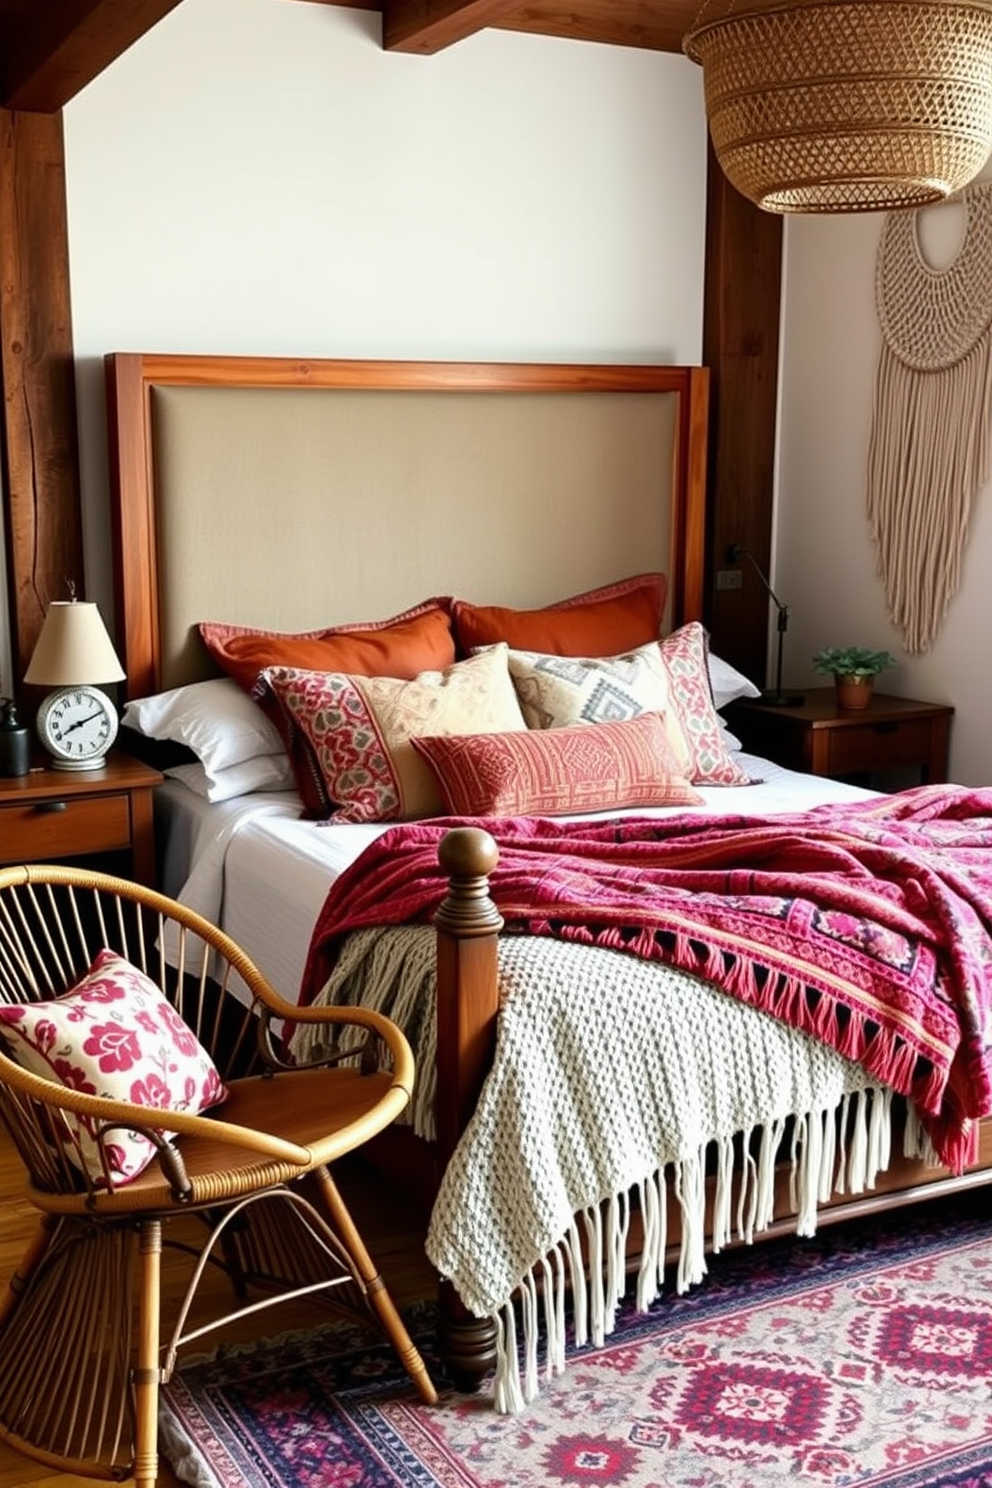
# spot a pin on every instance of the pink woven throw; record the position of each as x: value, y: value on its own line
x: 868, y: 926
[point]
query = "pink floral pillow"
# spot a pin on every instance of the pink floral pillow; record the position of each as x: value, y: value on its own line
x: 114, y: 1035
x: 550, y: 772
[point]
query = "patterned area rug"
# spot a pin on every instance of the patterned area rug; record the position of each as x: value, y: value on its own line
x: 863, y: 1357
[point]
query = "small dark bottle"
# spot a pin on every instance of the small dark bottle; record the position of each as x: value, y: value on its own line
x: 15, y: 741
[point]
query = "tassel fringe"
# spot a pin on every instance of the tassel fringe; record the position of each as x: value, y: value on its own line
x: 832, y: 1152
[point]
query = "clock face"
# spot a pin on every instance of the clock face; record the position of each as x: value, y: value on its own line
x: 77, y: 726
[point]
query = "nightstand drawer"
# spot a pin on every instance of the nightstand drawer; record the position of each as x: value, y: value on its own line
x: 39, y: 831
x: 880, y: 746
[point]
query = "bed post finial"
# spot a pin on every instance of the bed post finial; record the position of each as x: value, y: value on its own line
x: 467, y: 856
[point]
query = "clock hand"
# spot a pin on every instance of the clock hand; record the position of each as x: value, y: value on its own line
x: 81, y: 722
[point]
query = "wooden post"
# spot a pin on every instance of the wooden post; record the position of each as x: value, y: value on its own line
x: 467, y: 925
x: 38, y: 448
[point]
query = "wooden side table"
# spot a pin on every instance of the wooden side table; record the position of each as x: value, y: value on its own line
x: 48, y: 815
x: 816, y: 736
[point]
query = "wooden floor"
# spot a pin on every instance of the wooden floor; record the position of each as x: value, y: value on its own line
x: 392, y: 1230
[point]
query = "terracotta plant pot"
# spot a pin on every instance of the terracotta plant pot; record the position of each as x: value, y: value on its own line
x: 853, y: 693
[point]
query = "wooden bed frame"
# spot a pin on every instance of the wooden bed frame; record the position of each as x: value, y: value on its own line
x: 468, y: 923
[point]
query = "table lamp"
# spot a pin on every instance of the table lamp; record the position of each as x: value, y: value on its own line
x: 77, y: 723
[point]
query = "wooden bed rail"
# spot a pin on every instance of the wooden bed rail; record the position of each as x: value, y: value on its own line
x: 467, y: 925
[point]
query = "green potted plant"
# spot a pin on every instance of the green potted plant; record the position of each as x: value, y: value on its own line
x: 854, y: 669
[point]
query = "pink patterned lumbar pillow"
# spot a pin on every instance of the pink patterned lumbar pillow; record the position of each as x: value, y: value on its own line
x: 113, y: 1035
x: 550, y: 772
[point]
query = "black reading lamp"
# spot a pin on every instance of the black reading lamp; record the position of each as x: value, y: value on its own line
x: 774, y: 697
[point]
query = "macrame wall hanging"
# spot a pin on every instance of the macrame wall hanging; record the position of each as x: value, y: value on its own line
x: 930, y: 439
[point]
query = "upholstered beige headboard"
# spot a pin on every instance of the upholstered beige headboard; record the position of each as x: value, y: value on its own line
x: 292, y: 495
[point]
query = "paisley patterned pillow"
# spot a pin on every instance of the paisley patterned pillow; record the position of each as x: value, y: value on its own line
x: 114, y: 1035
x: 359, y: 730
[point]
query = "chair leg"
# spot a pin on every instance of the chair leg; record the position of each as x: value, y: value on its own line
x: 146, y: 1374
x: 30, y: 1260
x: 375, y: 1288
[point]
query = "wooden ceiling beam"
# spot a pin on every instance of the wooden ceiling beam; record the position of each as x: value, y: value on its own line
x: 655, y: 25
x: 428, y: 26
x: 52, y: 48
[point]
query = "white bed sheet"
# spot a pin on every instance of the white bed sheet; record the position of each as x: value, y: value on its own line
x: 253, y: 867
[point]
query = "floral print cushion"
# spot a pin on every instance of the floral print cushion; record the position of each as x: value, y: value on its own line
x: 113, y: 1035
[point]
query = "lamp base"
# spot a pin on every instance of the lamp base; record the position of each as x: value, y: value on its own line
x: 773, y: 698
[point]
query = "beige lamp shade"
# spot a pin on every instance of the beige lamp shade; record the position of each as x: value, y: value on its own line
x: 846, y: 105
x: 73, y: 648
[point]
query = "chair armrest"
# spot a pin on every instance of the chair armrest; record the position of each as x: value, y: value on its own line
x: 375, y: 1023
x: 149, y: 1119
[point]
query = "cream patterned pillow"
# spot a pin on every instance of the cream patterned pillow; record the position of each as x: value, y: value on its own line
x: 668, y: 677
x: 359, y: 729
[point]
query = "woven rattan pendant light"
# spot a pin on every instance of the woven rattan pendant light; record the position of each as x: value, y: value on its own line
x: 846, y: 105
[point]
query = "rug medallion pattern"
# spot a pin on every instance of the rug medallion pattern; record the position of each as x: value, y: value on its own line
x: 860, y: 1358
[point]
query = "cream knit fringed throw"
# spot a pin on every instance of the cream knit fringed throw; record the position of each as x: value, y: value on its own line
x: 929, y: 449
x: 612, y: 1079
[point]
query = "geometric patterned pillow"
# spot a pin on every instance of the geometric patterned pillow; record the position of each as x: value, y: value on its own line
x: 668, y: 677
x: 113, y: 1035
x: 359, y: 730
x: 551, y: 772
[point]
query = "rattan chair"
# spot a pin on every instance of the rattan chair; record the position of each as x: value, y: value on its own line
x: 83, y: 1345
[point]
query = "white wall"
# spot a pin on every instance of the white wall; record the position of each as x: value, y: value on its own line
x: 825, y: 557
x: 260, y: 177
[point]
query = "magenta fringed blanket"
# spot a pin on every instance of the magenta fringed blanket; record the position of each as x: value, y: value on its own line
x: 868, y: 925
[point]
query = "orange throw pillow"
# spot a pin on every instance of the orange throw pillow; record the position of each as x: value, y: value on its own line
x: 600, y: 622
x: 419, y: 640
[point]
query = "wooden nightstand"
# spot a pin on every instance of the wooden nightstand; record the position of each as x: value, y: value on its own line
x: 49, y: 815
x: 891, y: 734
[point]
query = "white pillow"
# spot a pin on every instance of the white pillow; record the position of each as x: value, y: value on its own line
x: 217, y: 720
x: 728, y: 684
x: 267, y: 772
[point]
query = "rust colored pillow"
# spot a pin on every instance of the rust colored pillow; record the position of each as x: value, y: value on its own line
x: 550, y: 772
x: 418, y: 640
x: 600, y: 622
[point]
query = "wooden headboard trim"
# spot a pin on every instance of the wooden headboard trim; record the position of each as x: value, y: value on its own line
x: 131, y: 376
